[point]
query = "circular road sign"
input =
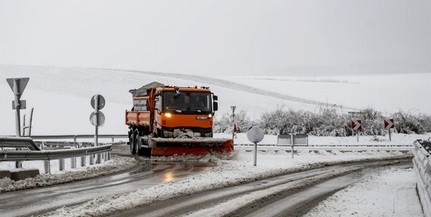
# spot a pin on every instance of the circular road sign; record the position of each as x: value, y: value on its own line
x: 97, y: 119
x: 255, y: 134
x: 101, y: 102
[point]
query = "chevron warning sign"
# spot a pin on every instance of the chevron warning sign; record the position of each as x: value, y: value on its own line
x: 389, y: 123
x: 356, y: 124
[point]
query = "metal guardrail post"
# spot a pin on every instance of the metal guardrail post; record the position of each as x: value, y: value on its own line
x: 73, y: 162
x: 98, y: 158
x: 47, y: 167
x: 92, y: 159
x: 61, y: 164
x: 83, y: 161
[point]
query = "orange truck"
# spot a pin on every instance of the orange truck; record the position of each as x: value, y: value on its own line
x: 171, y: 120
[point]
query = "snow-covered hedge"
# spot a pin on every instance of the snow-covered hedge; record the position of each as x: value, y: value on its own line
x: 326, y: 122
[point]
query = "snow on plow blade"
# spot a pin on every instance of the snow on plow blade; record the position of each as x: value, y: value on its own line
x: 201, y: 146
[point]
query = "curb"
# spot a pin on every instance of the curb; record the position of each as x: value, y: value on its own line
x: 23, y: 174
x: 4, y: 174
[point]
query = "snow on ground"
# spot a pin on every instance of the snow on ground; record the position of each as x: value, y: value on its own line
x: 241, y: 169
x: 386, y: 93
x: 115, y: 165
x: 389, y: 193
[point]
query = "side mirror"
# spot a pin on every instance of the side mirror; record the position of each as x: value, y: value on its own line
x: 215, y: 106
x: 215, y: 98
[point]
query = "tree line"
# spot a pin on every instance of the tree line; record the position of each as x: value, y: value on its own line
x: 326, y: 122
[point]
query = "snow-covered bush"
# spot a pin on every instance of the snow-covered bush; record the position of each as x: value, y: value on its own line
x: 329, y: 123
x: 408, y: 123
x: 372, y: 122
x: 326, y: 122
x: 224, y: 123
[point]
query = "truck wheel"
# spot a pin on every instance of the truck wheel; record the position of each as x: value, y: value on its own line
x: 130, y: 134
x: 133, y: 142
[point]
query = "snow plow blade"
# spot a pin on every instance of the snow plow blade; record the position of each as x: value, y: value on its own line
x: 201, y: 146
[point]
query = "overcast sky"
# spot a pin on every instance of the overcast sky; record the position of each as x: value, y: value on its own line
x: 222, y: 36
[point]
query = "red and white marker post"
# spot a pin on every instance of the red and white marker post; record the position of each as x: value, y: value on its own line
x: 389, y: 123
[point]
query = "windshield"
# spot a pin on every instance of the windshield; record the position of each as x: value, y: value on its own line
x: 187, y: 102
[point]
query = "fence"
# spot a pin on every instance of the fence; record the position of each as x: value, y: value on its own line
x: 293, y: 140
x: 67, y: 150
x: 422, y: 167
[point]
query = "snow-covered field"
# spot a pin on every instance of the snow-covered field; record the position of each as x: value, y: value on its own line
x: 61, y: 98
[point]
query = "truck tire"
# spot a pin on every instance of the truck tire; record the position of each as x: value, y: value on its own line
x: 133, y: 143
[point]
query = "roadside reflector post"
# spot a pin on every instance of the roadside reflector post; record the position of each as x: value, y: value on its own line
x: 388, y: 124
x: 255, y: 135
x: 356, y: 125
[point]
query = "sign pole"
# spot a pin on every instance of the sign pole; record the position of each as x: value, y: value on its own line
x: 255, y: 135
x: 17, y: 107
x: 96, y: 127
x: 233, y: 120
x: 96, y: 110
x: 18, y: 85
x: 31, y: 121
x: 291, y: 141
x: 255, y: 154
x: 389, y: 130
x: 97, y: 118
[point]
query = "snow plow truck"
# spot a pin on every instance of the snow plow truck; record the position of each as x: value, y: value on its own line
x: 171, y: 120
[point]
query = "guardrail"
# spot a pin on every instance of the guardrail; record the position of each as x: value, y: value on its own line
x: 80, y: 136
x: 53, y: 145
x: 339, y: 147
x: 34, y: 153
x: 23, y: 155
x: 422, y: 167
x: 18, y: 142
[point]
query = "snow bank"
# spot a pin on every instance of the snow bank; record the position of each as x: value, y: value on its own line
x: 390, y: 193
x: 115, y: 165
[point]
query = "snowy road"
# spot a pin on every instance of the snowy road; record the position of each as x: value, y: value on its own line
x: 287, y: 195
x: 37, y: 201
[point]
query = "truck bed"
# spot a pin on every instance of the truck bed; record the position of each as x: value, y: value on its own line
x: 137, y: 118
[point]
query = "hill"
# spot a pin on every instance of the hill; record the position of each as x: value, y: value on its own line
x: 61, y: 96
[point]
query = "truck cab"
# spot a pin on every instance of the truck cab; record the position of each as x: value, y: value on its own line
x: 179, y: 110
